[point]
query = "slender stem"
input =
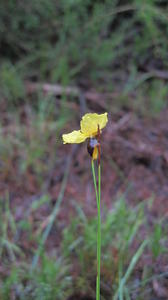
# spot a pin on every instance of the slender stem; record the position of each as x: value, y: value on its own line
x: 98, y: 233
x: 98, y: 199
x: 94, y: 181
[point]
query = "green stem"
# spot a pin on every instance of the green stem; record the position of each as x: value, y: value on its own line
x: 98, y: 199
x: 94, y: 181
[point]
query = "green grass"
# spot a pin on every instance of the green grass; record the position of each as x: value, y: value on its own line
x: 50, y: 281
x: 30, y: 139
x: 121, y: 228
x: 71, y: 268
x: 112, y: 46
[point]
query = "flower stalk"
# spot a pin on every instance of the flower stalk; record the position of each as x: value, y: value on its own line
x: 90, y: 128
x: 98, y: 200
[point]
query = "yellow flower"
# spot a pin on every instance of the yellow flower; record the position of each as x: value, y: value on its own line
x: 89, y: 129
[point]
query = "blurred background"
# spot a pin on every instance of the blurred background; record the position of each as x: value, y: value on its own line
x: 59, y: 60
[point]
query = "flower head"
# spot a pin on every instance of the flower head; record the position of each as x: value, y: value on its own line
x: 90, y: 125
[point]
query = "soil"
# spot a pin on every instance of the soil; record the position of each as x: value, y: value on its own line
x: 134, y: 163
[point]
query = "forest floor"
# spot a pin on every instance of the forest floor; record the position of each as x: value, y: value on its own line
x: 134, y: 166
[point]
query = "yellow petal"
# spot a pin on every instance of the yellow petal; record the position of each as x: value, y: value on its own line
x: 95, y: 153
x: 75, y: 137
x: 89, y: 123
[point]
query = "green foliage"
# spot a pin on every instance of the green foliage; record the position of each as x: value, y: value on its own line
x: 11, y: 83
x: 119, y: 228
x: 157, y: 239
x: 6, y: 286
x: 115, y: 43
x: 157, y: 96
x: 72, y: 266
x: 8, y: 225
x: 34, y: 139
x: 49, y: 282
